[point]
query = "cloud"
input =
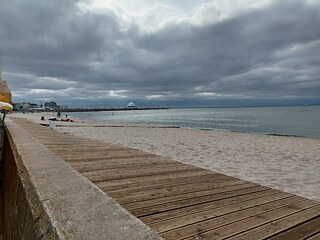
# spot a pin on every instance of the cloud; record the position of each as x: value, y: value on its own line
x: 206, y: 53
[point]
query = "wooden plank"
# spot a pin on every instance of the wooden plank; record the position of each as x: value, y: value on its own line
x: 58, y: 144
x: 140, y: 171
x: 302, y: 231
x: 114, y: 154
x: 116, y: 163
x: 105, y: 176
x: 124, y: 160
x: 140, y: 181
x: 80, y: 150
x: 314, y: 237
x: 267, y: 230
x: 233, y: 223
x: 164, y: 216
x: 174, y: 202
x: 183, y: 181
x: 63, y: 140
x: 72, y: 152
x: 206, y: 214
x: 174, y: 191
x: 97, y: 169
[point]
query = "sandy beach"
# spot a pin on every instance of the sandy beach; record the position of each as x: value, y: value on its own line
x: 290, y: 164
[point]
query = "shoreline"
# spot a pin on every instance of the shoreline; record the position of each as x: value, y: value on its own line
x: 299, y: 122
x: 290, y: 164
x: 108, y: 123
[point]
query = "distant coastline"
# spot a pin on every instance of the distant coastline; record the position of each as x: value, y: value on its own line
x: 106, y: 109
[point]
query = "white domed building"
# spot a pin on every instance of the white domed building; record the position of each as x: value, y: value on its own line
x: 131, y: 105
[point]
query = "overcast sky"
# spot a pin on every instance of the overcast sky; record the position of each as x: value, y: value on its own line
x: 166, y: 52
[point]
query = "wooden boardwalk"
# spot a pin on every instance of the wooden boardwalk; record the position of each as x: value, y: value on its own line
x: 181, y: 201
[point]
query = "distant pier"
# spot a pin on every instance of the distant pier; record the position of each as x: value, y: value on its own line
x: 109, y: 109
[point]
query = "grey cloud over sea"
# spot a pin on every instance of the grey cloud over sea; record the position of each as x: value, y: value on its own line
x: 60, y: 51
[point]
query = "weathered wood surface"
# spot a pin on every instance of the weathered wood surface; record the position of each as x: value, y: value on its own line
x: 181, y: 201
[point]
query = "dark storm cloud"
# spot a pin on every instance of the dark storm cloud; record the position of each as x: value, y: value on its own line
x: 55, y: 50
x: 241, y: 55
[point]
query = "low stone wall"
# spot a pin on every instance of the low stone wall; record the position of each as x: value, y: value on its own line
x: 44, y: 198
x: 24, y: 216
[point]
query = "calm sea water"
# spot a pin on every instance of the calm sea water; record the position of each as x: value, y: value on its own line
x: 294, y: 121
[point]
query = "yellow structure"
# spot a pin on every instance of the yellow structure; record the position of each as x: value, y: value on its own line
x: 5, y: 95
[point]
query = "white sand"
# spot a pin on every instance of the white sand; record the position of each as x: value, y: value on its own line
x: 285, y: 163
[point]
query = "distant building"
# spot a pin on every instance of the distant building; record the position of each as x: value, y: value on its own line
x: 24, y: 106
x: 131, y: 105
x: 33, y: 107
x: 50, y: 105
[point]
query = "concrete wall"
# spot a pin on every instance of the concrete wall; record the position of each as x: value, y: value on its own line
x: 44, y: 198
x: 24, y: 216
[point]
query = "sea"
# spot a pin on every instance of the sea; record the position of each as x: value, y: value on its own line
x: 295, y: 121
